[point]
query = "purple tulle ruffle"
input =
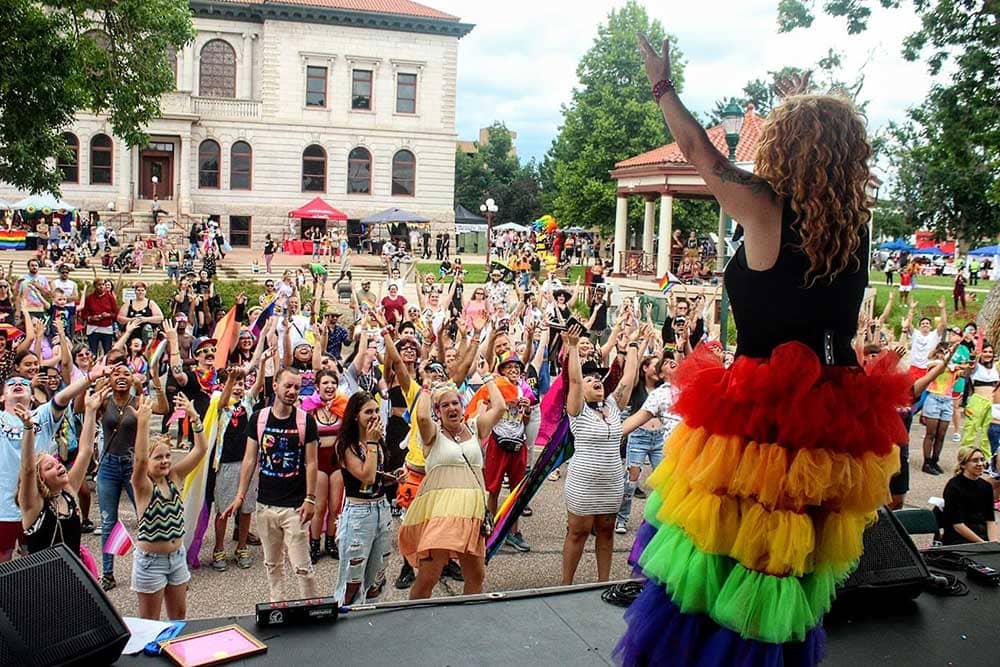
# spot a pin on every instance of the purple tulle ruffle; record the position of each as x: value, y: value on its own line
x: 643, y: 536
x: 660, y: 634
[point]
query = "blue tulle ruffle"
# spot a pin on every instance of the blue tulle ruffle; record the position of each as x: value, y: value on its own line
x: 659, y: 634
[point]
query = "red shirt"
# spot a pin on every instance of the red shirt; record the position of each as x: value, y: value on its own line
x: 394, y: 308
x: 99, y: 310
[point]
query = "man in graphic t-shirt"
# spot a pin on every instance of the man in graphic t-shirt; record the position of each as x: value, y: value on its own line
x: 285, y: 452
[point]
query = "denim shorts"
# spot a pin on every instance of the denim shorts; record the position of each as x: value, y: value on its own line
x: 939, y: 407
x: 152, y: 573
x: 645, y: 445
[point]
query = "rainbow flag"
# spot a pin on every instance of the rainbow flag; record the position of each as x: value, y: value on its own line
x: 196, y: 509
x: 668, y: 281
x: 119, y: 541
x: 13, y: 240
x: 227, y: 332
x: 265, y: 314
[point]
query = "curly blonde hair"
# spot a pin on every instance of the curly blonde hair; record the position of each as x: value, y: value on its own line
x: 814, y: 152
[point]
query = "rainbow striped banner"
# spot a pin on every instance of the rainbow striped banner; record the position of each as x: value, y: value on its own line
x: 13, y: 239
x: 119, y: 541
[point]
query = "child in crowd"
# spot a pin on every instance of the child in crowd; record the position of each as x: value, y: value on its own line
x: 159, y: 564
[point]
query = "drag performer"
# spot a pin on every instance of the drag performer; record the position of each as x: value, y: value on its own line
x: 757, y: 511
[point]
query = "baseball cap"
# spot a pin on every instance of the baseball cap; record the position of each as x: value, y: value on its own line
x: 203, y: 341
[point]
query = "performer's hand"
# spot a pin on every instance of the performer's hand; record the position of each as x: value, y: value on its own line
x: 306, y: 511
x: 657, y: 66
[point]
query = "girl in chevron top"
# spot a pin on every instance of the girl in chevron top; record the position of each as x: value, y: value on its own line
x: 159, y: 564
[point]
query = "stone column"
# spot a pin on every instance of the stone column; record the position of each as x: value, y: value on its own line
x: 184, y: 164
x: 647, y: 227
x: 245, y: 61
x: 621, y: 233
x: 124, y: 175
x: 666, y: 234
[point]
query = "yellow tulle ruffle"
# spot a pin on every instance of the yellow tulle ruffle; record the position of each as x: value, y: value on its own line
x: 771, y: 475
x: 777, y: 542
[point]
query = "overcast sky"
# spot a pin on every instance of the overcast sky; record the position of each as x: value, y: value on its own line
x: 519, y: 63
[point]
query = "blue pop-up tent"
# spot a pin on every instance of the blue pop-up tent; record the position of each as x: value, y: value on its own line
x: 986, y: 251
x: 896, y: 244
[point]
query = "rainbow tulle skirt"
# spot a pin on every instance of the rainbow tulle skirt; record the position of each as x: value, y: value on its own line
x: 757, y: 511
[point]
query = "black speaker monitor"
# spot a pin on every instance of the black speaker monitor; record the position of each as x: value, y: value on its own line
x: 890, y: 566
x: 52, y: 612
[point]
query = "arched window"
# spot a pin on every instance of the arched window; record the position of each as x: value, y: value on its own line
x: 359, y: 171
x: 240, y: 166
x: 314, y: 169
x: 209, y: 156
x: 70, y: 168
x: 217, y: 70
x: 404, y: 173
x: 100, y: 159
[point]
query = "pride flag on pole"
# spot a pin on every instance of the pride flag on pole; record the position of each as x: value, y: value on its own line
x: 668, y: 281
x: 265, y: 314
x: 119, y: 541
x: 227, y: 332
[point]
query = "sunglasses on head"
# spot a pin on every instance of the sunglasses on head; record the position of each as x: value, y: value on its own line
x: 13, y: 382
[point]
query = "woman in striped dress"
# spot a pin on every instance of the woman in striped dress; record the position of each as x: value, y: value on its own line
x: 595, y: 481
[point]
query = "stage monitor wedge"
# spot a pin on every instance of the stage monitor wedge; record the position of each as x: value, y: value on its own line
x: 52, y: 612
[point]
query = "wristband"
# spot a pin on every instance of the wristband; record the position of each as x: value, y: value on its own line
x: 634, y: 345
x: 488, y: 378
x: 311, y: 501
x: 198, y: 428
x: 372, y: 443
x: 661, y: 88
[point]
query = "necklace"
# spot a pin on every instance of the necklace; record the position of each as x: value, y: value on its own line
x: 453, y: 435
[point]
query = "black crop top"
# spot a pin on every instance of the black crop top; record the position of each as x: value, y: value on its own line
x: 354, y: 488
x: 774, y: 306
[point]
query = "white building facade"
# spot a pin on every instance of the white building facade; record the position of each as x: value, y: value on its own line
x: 278, y: 104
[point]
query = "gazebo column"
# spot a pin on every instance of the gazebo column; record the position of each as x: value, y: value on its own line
x: 666, y: 234
x: 621, y: 233
x: 649, y: 220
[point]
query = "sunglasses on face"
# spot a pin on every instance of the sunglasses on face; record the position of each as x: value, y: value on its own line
x: 206, y: 350
x: 14, y: 382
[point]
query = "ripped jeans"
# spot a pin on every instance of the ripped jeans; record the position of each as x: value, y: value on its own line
x: 364, y: 537
x: 282, y: 532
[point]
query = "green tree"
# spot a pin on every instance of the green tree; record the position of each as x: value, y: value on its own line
x: 611, y: 117
x: 59, y: 57
x: 494, y: 170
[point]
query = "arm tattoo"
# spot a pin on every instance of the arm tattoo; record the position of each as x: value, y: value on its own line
x: 727, y: 173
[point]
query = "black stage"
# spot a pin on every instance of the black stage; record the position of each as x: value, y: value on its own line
x: 578, y: 628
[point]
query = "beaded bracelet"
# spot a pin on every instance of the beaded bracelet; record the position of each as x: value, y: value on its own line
x: 661, y: 88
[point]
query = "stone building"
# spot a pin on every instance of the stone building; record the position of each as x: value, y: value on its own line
x: 276, y: 103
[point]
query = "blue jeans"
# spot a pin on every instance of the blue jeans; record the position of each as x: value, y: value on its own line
x: 113, y: 475
x: 365, y: 542
x: 95, y: 340
x: 642, y: 445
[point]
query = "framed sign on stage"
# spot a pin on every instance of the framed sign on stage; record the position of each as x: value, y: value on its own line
x: 213, y: 647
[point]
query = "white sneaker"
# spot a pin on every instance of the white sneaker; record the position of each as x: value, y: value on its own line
x: 620, y: 527
x: 957, y: 437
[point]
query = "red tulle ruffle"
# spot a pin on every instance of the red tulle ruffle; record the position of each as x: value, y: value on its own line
x: 793, y: 400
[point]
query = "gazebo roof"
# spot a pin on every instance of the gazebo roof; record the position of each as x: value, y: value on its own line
x: 746, y: 150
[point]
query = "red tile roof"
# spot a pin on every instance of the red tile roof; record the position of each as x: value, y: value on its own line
x: 399, y: 7
x: 746, y: 150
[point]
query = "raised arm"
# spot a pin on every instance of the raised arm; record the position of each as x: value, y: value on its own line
x: 624, y: 388
x: 65, y: 351
x: 498, y: 406
x: 425, y: 423
x: 747, y: 198
x: 93, y: 403
x: 943, y: 325
x: 574, y: 397
x: 191, y: 459
x: 394, y: 360
x: 29, y: 500
x: 140, y: 479
x: 173, y: 349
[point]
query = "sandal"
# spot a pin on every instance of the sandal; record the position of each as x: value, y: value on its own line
x: 527, y: 512
x: 554, y: 477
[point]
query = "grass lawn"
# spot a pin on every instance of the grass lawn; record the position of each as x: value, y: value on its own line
x: 941, y: 281
x: 927, y: 304
x: 476, y: 273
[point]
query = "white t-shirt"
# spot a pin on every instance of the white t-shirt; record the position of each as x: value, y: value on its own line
x: 660, y: 403
x: 921, y: 347
x: 11, y: 429
x: 68, y: 287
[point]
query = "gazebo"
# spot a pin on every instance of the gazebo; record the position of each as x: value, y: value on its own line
x: 664, y: 173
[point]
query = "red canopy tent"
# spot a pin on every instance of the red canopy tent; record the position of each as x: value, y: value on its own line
x: 318, y: 209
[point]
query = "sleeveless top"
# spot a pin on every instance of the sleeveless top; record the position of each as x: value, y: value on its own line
x: 447, y: 452
x: 324, y: 430
x: 777, y: 306
x: 145, y: 312
x: 163, y: 519
x: 51, y: 528
x: 353, y: 488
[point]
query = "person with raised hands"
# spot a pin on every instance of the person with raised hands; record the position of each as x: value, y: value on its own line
x: 47, y: 490
x: 594, y: 480
x: 159, y: 562
x: 446, y: 519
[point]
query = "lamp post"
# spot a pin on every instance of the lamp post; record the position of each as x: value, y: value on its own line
x: 489, y: 209
x: 732, y: 123
x: 155, y: 180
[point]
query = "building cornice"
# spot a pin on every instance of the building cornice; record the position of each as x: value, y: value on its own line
x: 258, y: 13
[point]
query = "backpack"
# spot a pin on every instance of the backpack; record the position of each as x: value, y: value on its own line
x: 300, y: 424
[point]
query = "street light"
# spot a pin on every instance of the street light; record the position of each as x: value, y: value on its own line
x: 489, y: 209
x: 732, y: 123
x: 155, y: 180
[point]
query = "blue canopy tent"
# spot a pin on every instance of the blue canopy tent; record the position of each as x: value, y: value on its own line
x: 986, y: 251
x: 896, y: 244
x: 931, y: 252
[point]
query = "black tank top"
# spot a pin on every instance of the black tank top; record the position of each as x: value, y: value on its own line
x: 776, y: 306
x: 353, y: 488
x: 145, y: 312
x: 51, y: 528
